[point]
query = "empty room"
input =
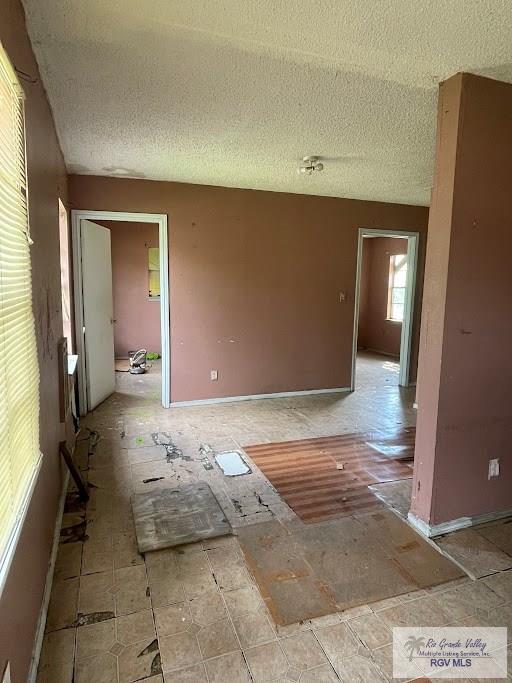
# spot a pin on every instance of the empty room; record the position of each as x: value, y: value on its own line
x: 255, y: 404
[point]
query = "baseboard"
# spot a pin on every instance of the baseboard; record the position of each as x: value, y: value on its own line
x: 252, y: 397
x: 433, y: 530
x: 41, y: 624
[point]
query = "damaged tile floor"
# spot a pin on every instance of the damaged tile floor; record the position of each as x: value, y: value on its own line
x: 194, y: 614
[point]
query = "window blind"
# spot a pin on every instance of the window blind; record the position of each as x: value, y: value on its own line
x: 19, y: 372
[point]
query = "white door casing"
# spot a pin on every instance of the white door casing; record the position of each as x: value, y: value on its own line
x: 410, y: 288
x: 78, y: 216
x: 98, y: 311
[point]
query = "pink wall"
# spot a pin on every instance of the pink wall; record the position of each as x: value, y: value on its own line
x: 376, y: 332
x: 465, y: 414
x: 137, y: 318
x: 255, y: 280
x: 20, y: 601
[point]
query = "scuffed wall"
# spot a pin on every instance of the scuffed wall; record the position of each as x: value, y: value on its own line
x: 20, y: 601
x: 255, y: 279
x: 465, y: 375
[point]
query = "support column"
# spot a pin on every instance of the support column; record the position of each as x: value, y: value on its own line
x: 465, y: 363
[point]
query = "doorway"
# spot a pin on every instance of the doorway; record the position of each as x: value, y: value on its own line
x: 97, y: 248
x: 384, y: 303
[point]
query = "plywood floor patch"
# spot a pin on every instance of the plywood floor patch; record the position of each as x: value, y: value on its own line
x: 173, y: 516
x: 307, y: 571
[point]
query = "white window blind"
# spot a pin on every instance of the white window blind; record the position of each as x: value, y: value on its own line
x: 19, y: 373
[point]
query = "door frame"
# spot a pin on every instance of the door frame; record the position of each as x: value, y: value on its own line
x: 130, y: 217
x: 410, y: 290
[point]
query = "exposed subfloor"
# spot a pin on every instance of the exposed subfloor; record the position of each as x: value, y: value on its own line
x: 195, y: 613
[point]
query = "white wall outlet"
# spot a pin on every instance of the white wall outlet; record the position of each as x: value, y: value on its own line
x: 494, y: 468
x: 214, y: 375
x: 343, y: 297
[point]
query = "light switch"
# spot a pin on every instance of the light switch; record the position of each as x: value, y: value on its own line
x: 343, y: 297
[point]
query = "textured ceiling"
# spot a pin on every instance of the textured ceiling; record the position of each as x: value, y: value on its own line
x: 235, y: 92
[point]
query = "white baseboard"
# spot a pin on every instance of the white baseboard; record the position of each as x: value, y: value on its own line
x: 252, y: 397
x: 41, y: 624
x: 433, y: 530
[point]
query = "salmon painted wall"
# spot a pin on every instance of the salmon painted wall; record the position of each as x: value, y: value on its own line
x: 20, y: 602
x: 137, y: 317
x: 465, y: 373
x: 376, y: 332
x: 254, y: 280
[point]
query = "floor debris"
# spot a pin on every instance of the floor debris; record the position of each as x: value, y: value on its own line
x: 232, y: 464
x: 173, y: 516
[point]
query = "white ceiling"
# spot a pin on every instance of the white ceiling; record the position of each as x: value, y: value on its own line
x: 235, y: 92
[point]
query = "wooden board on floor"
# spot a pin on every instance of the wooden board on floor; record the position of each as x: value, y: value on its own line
x: 122, y: 365
x: 308, y: 571
x: 173, y: 516
x: 308, y: 474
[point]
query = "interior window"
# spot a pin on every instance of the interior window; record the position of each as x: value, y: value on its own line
x: 397, y: 282
x: 154, y: 272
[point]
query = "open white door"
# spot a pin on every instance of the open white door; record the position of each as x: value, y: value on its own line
x: 98, y: 311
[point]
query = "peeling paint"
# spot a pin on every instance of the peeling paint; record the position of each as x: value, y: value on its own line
x: 152, y: 647
x: 172, y: 451
x: 156, y: 665
x: 204, y: 451
x: 75, y: 533
x: 93, y: 618
x: 73, y: 503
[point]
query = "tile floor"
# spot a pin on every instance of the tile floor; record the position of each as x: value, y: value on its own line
x: 194, y: 614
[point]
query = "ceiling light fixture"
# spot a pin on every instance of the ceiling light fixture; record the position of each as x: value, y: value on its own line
x: 310, y: 164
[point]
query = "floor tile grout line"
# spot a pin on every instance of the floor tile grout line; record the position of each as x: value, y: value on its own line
x: 313, y: 631
x: 283, y: 409
x: 229, y: 617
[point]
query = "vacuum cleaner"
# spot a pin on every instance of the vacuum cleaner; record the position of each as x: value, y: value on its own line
x: 137, y: 361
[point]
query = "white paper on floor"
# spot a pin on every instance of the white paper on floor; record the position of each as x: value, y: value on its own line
x: 232, y: 464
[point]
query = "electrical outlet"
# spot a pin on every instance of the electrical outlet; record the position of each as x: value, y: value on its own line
x: 343, y: 297
x: 214, y: 375
x: 494, y: 468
